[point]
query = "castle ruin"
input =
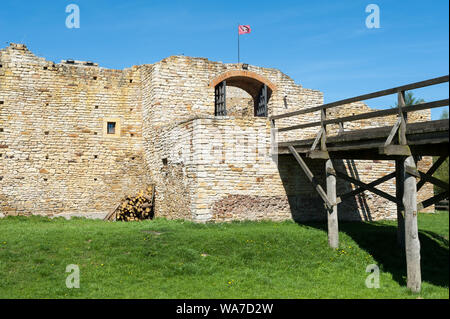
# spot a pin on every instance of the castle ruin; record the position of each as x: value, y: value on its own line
x: 75, y: 138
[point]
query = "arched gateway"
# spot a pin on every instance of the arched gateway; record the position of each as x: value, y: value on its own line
x: 257, y: 86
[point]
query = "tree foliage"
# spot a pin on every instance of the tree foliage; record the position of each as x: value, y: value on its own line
x: 410, y: 99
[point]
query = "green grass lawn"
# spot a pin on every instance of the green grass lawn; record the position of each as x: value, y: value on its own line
x: 176, y: 259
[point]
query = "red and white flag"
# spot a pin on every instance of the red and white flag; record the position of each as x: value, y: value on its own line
x: 244, y: 29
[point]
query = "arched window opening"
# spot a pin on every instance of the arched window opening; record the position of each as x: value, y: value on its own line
x: 238, y: 102
x: 242, y: 96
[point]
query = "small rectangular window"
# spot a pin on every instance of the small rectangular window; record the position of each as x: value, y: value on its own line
x: 111, y: 128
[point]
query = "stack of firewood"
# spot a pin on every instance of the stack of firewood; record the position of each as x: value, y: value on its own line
x: 133, y: 208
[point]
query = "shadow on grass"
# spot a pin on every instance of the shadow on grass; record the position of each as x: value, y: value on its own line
x: 380, y: 241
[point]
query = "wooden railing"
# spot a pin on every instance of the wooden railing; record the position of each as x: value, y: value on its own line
x: 401, y: 110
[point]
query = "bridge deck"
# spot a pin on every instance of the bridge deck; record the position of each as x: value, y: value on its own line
x: 403, y: 142
x: 425, y: 138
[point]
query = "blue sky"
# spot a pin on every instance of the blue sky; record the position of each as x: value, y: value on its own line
x: 322, y: 45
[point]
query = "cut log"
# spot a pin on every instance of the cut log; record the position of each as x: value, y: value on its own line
x: 134, y: 208
x: 111, y: 214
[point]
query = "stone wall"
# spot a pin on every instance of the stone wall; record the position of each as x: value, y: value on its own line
x: 242, y: 185
x: 239, y: 103
x: 229, y: 174
x: 178, y: 101
x: 179, y: 87
x: 54, y: 154
x: 169, y: 167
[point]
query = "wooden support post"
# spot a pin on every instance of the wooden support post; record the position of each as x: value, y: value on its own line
x: 400, y: 170
x: 333, y: 229
x: 399, y: 176
x: 323, y: 139
x: 403, y: 116
x: 341, y: 127
x: 412, y: 243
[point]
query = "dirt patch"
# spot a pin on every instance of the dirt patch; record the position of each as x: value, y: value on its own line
x: 152, y: 232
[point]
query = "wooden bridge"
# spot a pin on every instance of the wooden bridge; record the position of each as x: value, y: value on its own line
x: 403, y: 143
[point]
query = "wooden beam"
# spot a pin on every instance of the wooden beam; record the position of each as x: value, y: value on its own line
x: 433, y: 200
x: 427, y: 140
x: 403, y: 116
x: 318, y: 154
x: 323, y: 138
x: 367, y: 153
x: 412, y: 170
x: 433, y: 180
x: 333, y: 228
x: 393, y: 132
x: 432, y: 170
x: 357, y: 145
x: 412, y: 244
x: 430, y: 149
x: 369, y: 115
x: 317, y: 139
x: 112, y: 214
x: 341, y: 127
x: 400, y: 150
x: 431, y: 127
x: 368, y: 96
x: 372, y: 184
x: 366, y: 186
x: 311, y: 177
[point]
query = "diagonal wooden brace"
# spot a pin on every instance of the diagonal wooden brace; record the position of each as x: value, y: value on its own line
x: 372, y: 184
x: 311, y: 178
x: 393, y: 132
x: 318, y: 137
x: 366, y: 186
x: 433, y: 200
x: 432, y: 170
x: 433, y: 180
x: 412, y: 171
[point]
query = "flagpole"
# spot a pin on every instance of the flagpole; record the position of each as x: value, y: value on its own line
x: 238, y: 47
